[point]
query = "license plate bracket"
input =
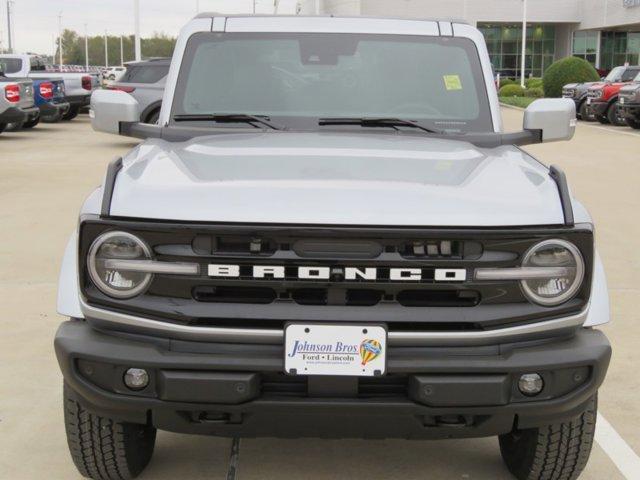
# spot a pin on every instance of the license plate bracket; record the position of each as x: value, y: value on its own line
x: 335, y: 349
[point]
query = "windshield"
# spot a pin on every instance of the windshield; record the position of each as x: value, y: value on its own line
x: 10, y: 65
x: 298, y: 78
x: 622, y: 74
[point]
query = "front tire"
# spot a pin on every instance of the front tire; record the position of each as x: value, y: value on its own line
x: 633, y: 123
x: 554, y: 452
x: 103, y: 448
x: 613, y: 115
x: 584, y: 112
x: 71, y: 114
x: 32, y: 123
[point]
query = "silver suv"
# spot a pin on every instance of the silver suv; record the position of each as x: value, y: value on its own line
x: 145, y: 82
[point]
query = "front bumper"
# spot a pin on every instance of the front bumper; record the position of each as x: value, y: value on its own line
x: 14, y: 115
x: 54, y: 109
x: 240, y: 390
x: 597, y: 109
x: 79, y: 101
x: 629, y: 110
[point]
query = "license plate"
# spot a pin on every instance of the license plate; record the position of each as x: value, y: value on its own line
x: 341, y: 350
x: 588, y: 101
x: 621, y: 101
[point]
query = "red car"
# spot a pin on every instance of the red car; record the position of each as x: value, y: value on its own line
x: 602, y: 98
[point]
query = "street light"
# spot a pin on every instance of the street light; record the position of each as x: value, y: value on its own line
x: 106, y: 50
x: 136, y: 19
x: 524, y: 42
x: 86, y: 48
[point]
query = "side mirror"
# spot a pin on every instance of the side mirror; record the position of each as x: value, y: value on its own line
x: 554, y: 118
x: 110, y: 108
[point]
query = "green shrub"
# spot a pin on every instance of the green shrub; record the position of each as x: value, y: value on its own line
x: 511, y: 91
x: 535, y: 92
x: 533, y: 82
x: 567, y: 70
x: 507, y: 81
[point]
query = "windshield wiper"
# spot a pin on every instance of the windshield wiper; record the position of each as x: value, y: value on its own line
x: 229, y: 118
x: 375, y: 122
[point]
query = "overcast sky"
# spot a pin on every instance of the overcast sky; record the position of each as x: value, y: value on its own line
x: 35, y: 22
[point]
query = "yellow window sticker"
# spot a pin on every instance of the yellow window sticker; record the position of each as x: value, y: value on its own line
x: 452, y: 82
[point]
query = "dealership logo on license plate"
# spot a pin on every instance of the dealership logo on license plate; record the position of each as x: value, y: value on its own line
x: 312, y: 349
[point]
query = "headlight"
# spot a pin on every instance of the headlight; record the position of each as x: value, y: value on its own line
x: 550, y: 255
x: 595, y: 93
x: 118, y: 283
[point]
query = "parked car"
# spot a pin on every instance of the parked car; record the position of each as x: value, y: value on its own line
x: 16, y: 102
x: 114, y: 73
x: 310, y: 244
x: 629, y: 103
x: 50, y: 98
x: 578, y: 91
x: 78, y: 86
x: 145, y: 81
x: 602, y: 98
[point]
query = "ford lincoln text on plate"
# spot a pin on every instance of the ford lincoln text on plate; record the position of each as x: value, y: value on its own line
x: 327, y: 234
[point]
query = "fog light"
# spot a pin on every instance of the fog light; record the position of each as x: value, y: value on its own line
x: 530, y: 384
x: 136, y: 378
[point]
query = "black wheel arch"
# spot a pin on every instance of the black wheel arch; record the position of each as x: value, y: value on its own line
x: 151, y: 108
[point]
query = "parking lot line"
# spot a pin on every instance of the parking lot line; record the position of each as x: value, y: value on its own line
x: 619, y: 130
x: 619, y: 451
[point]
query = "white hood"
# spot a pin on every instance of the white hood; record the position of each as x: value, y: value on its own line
x: 335, y: 179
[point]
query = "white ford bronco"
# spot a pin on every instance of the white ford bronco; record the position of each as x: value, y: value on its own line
x: 327, y: 234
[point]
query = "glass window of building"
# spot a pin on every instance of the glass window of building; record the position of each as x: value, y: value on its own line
x: 504, y: 42
x: 585, y: 45
x: 618, y: 48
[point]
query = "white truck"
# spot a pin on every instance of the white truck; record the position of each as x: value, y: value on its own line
x: 78, y: 86
x: 328, y: 234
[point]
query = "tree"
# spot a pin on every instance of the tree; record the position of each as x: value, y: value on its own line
x: 73, y: 51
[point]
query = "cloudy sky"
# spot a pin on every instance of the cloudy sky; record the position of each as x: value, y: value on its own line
x: 36, y: 21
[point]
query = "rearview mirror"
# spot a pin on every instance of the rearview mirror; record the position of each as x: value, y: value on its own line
x: 110, y: 108
x: 554, y: 118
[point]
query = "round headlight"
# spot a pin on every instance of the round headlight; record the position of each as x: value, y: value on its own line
x: 564, y: 262
x: 118, y: 283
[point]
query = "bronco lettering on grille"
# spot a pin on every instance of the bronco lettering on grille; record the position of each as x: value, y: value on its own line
x: 336, y: 273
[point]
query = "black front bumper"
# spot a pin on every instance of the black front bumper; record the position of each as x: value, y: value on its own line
x: 598, y: 109
x: 15, y: 115
x: 240, y: 390
x: 79, y: 101
x: 629, y: 110
x: 54, y: 109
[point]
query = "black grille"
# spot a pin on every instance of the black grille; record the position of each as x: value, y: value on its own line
x: 272, y: 302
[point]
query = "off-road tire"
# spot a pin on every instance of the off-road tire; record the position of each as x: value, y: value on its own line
x: 153, y: 118
x: 633, y: 123
x: 554, y: 452
x: 584, y: 115
x: 2, y: 127
x: 614, y: 117
x: 71, y: 113
x: 31, y: 123
x: 103, y: 448
x: 603, y: 119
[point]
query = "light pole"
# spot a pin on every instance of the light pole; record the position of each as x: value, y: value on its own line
x: 524, y: 42
x: 106, y: 50
x: 136, y: 19
x: 10, y: 44
x: 121, y: 51
x: 60, y: 37
x: 86, y: 48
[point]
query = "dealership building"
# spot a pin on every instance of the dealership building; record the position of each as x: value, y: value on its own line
x: 604, y: 32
